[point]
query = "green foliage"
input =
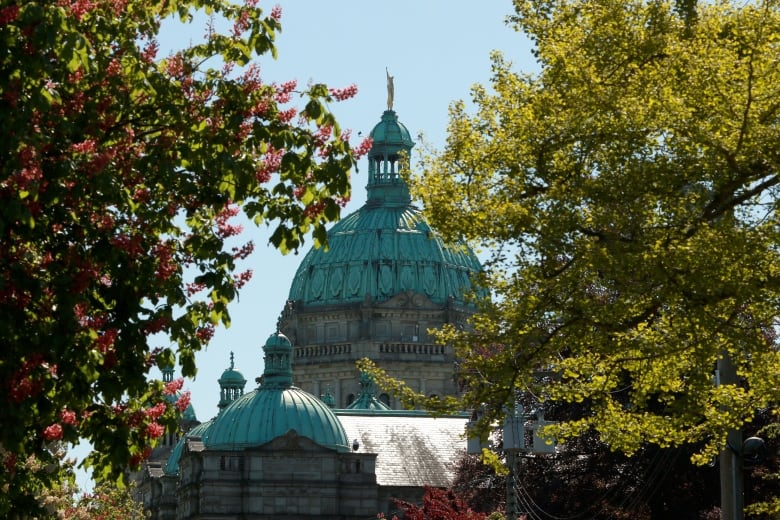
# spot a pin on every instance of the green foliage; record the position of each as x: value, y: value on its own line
x: 106, y: 501
x: 119, y: 174
x: 628, y: 191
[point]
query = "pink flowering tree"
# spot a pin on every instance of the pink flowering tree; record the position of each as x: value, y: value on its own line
x: 121, y: 173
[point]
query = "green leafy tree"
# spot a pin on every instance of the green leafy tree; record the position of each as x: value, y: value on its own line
x: 628, y: 194
x: 120, y: 172
x: 105, y: 502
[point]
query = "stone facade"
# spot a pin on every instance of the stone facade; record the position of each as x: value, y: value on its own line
x: 329, y: 340
x: 289, y: 478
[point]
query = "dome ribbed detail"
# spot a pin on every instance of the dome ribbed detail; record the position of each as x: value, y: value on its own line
x: 379, y: 252
x: 263, y: 415
x: 275, y: 408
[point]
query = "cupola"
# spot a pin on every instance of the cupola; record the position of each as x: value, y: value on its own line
x: 390, y: 153
x: 275, y: 408
x: 231, y: 385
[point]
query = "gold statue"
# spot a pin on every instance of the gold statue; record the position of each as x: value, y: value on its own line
x: 390, y: 90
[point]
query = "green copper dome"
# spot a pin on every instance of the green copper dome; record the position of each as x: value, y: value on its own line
x: 275, y: 408
x: 386, y: 247
x: 231, y: 385
x: 172, y: 465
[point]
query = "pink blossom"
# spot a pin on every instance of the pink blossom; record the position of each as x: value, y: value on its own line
x: 288, y: 86
x: 53, y: 432
x: 194, y: 288
x: 272, y: 161
x: 205, y: 333
x: 130, y: 244
x: 322, y: 134
x: 241, y: 23
x: 173, y: 386
x: 157, y: 324
x: 284, y: 91
x: 166, y: 264
x: 363, y: 148
x: 10, y: 462
x: 287, y: 115
x: 114, y: 68
x: 345, y: 93
x: 225, y: 230
x: 78, y: 8
x: 242, y: 278
x: 183, y: 401
x: 105, y: 341
x: 314, y: 209
x: 156, y: 411
x: 154, y: 430
x: 260, y: 108
x: 150, y: 51
x: 175, y: 65
x: 241, y: 253
x: 118, y: 6
x: 8, y: 14
x: 250, y: 78
x: 68, y: 417
x: 276, y: 13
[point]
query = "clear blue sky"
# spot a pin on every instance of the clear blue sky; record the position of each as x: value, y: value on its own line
x: 435, y: 49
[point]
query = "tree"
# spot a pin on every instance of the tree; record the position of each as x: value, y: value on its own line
x: 119, y: 174
x: 105, y: 502
x: 439, y: 504
x: 627, y: 192
x: 478, y: 484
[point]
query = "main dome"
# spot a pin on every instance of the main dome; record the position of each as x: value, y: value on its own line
x: 274, y: 408
x: 386, y: 247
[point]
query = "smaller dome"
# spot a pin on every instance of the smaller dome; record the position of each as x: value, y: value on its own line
x: 390, y: 131
x: 231, y: 385
x: 275, y: 408
x: 232, y: 377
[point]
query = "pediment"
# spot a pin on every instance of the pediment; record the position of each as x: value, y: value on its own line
x: 292, y: 441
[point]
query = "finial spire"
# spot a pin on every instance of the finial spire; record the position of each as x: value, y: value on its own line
x: 232, y: 365
x: 390, y: 90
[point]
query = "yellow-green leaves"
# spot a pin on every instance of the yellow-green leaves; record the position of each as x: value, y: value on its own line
x: 628, y: 191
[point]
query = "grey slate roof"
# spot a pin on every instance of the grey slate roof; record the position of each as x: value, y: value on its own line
x: 413, y: 448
